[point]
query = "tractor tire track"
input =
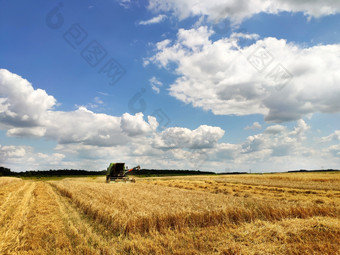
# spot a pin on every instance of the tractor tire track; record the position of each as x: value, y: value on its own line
x: 82, y: 230
x: 38, y: 220
x: 7, y: 192
x: 44, y: 232
x: 14, y: 217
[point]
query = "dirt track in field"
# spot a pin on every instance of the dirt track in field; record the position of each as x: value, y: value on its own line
x: 35, y: 219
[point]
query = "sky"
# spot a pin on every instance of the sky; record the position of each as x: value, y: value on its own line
x: 218, y: 85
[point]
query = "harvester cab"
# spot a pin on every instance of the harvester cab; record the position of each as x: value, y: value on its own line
x: 117, y: 172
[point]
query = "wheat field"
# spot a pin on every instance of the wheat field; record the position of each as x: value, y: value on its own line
x: 291, y: 213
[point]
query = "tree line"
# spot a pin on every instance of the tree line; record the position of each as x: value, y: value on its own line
x: 75, y: 172
x: 48, y: 173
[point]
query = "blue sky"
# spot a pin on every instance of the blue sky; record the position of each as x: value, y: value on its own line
x: 212, y: 85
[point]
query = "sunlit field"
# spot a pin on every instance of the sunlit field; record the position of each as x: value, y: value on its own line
x: 295, y: 213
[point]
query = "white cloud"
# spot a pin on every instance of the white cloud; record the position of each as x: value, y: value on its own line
x: 300, y: 130
x: 20, y: 104
x: 27, y: 132
x: 194, y: 39
x: 153, y: 20
x: 275, y: 129
x: 135, y: 125
x: 255, y: 125
x: 84, y: 126
x: 54, y: 158
x: 125, y: 3
x: 155, y: 84
x: 11, y: 151
x: 217, y: 76
x: 103, y: 93
x: 88, y: 140
x: 24, y: 158
x: 335, y: 136
x: 97, y: 100
x: 226, y: 151
x: 245, y: 36
x: 177, y: 137
x: 335, y: 149
x: 238, y: 10
x: 277, y: 148
x: 27, y: 112
x: 276, y: 140
x: 214, y: 10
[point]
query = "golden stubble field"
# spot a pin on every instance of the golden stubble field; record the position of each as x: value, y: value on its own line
x: 295, y: 213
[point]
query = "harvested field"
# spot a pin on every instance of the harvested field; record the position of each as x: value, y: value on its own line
x: 236, y: 214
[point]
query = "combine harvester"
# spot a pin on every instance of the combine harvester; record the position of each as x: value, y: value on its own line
x: 117, y: 172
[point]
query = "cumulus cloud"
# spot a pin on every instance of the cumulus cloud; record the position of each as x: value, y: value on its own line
x: 300, y: 130
x: 27, y: 132
x: 238, y: 10
x: 277, y: 147
x: 276, y: 140
x: 20, y: 103
x: 275, y: 129
x: 88, y: 140
x: 135, y: 125
x: 84, y: 126
x: 84, y: 134
x: 335, y: 136
x: 7, y: 152
x: 226, y: 151
x: 28, y: 112
x: 24, y: 158
x: 227, y: 80
x: 255, y: 125
x: 153, y: 20
x: 335, y: 150
x: 176, y: 137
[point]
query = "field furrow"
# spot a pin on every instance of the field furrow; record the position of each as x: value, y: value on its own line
x: 86, y: 236
x: 15, y: 218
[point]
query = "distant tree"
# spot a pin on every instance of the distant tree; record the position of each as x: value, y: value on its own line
x: 5, y: 171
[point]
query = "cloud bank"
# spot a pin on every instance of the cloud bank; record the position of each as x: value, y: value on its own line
x: 89, y: 140
x: 238, y: 10
x: 227, y: 79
